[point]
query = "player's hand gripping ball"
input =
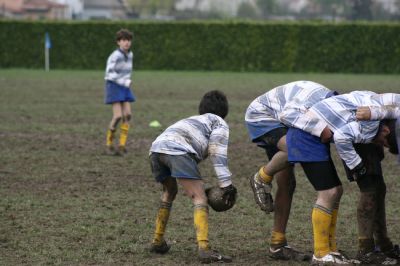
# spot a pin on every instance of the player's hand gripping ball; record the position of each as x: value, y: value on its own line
x: 221, y: 199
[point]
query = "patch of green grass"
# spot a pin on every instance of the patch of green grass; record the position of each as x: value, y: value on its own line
x: 63, y: 202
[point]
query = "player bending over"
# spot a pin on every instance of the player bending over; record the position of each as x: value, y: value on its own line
x: 265, y: 130
x: 174, y: 156
x: 360, y: 146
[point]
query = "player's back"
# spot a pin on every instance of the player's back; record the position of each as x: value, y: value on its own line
x: 270, y: 104
x: 192, y: 135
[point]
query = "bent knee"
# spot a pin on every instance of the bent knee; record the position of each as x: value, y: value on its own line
x: 333, y: 194
x: 127, y: 117
x: 169, y: 195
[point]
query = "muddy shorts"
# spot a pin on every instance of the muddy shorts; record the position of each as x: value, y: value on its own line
x: 178, y: 166
x: 269, y: 141
x: 371, y: 155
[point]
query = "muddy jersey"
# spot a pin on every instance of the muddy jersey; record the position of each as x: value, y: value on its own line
x: 203, y: 136
x: 263, y: 113
x: 339, y: 114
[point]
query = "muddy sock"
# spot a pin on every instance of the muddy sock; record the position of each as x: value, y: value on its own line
x: 123, y: 134
x: 161, y: 222
x: 110, y: 137
x: 263, y: 176
x: 278, y: 239
x: 365, y: 245
x: 332, y: 228
x: 321, y: 221
x: 366, y: 212
x: 201, y: 225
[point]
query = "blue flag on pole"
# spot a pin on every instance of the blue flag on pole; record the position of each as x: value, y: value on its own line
x: 47, y: 41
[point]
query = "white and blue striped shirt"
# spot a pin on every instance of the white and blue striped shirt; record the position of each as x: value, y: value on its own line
x: 202, y: 135
x: 293, y: 99
x: 119, y: 68
x: 390, y: 109
x: 339, y: 114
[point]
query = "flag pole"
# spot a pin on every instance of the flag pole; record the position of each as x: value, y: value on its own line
x: 46, y: 56
x: 47, y: 46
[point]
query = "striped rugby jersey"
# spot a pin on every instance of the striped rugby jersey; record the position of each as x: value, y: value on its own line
x: 339, y: 114
x: 202, y: 135
x: 119, y: 68
x: 295, y: 98
x: 390, y: 110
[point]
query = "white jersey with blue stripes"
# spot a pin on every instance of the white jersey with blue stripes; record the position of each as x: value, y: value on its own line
x: 202, y: 135
x: 390, y: 108
x: 294, y: 98
x: 119, y: 68
x: 339, y: 114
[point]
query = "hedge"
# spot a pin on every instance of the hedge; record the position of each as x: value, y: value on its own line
x: 225, y: 46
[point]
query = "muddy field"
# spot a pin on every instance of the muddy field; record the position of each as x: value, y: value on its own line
x: 63, y: 201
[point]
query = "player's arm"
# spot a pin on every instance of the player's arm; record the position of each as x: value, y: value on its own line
x: 218, y: 153
x: 377, y: 112
x: 344, y: 139
x: 388, y: 108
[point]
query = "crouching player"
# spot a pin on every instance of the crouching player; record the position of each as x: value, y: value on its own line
x: 359, y: 144
x: 174, y: 156
x: 265, y: 130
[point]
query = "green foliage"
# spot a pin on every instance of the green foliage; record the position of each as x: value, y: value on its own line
x: 229, y: 46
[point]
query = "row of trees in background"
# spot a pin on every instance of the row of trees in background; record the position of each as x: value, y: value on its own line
x: 274, y: 9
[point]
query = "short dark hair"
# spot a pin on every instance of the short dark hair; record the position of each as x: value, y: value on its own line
x: 123, y: 34
x: 214, y: 102
x: 392, y: 140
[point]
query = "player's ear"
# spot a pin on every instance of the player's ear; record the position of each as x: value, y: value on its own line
x: 385, y: 130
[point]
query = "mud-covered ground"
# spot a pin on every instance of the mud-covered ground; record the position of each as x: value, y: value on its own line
x: 63, y: 201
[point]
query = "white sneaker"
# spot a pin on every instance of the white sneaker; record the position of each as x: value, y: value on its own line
x: 333, y: 258
x: 345, y: 258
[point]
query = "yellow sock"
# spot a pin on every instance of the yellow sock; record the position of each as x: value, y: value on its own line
x: 201, y: 225
x: 161, y: 222
x: 321, y: 220
x: 263, y: 176
x: 110, y: 137
x: 332, y: 229
x: 278, y: 239
x: 123, y: 134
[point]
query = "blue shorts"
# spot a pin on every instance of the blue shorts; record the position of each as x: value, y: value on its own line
x: 178, y: 166
x: 260, y: 128
x: 304, y: 147
x: 117, y: 93
x: 269, y: 141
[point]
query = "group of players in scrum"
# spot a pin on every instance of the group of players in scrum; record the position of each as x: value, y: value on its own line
x: 294, y: 123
